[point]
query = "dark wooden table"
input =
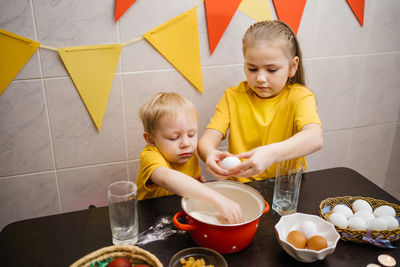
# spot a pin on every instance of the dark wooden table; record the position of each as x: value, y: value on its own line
x: 59, y: 240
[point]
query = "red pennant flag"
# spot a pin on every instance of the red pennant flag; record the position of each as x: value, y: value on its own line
x: 121, y: 6
x: 358, y: 9
x: 290, y: 11
x: 219, y: 13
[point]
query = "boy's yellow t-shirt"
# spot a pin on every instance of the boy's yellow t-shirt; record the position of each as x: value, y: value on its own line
x: 254, y: 122
x: 151, y: 159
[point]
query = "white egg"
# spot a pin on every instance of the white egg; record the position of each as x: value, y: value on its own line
x: 343, y: 209
x: 384, y: 210
x: 309, y: 229
x: 338, y: 219
x: 391, y: 222
x: 377, y: 224
x: 365, y: 215
x: 361, y: 204
x: 230, y: 162
x: 357, y: 223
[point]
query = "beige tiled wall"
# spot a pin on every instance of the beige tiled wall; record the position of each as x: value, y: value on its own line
x: 52, y: 158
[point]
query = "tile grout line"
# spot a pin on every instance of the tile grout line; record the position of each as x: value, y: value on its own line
x: 47, y: 111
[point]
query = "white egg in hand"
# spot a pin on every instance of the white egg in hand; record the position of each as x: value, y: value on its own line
x: 230, y: 162
x: 309, y: 229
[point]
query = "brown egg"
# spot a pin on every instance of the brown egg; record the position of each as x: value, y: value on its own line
x: 297, y: 239
x: 317, y: 242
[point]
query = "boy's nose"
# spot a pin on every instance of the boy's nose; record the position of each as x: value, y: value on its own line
x: 185, y: 142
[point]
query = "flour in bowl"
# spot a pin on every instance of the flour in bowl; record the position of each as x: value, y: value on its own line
x: 209, y: 217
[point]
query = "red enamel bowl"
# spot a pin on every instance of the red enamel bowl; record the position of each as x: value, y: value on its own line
x: 224, y: 238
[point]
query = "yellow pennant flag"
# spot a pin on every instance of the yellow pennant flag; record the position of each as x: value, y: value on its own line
x: 178, y: 41
x: 15, y: 51
x: 92, y: 70
x: 256, y: 9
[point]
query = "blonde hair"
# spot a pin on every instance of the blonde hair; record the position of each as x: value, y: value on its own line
x: 165, y: 104
x: 275, y: 30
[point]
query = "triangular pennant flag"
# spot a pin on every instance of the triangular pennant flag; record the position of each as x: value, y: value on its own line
x: 178, y: 41
x: 257, y: 9
x: 219, y: 13
x: 358, y: 9
x: 15, y: 51
x: 290, y: 11
x: 92, y: 70
x: 121, y: 6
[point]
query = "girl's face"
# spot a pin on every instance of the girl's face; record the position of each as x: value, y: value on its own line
x: 175, y: 138
x: 267, y: 68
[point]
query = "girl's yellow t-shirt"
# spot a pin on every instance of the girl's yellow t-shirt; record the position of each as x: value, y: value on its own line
x: 254, y: 122
x: 151, y: 159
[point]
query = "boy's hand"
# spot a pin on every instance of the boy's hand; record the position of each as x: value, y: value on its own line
x: 230, y: 209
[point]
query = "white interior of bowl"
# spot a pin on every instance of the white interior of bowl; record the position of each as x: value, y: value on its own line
x: 249, y: 199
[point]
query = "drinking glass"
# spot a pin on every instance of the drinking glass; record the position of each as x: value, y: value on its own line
x: 122, y: 207
x: 287, y: 186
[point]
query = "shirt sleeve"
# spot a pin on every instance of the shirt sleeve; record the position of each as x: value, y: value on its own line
x: 221, y: 119
x: 306, y: 112
x: 151, y: 160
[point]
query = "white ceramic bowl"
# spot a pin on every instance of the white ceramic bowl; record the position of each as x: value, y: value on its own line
x: 292, y: 222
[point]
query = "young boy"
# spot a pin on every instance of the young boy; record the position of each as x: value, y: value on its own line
x: 169, y: 163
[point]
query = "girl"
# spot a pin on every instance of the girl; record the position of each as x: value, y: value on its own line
x: 272, y: 116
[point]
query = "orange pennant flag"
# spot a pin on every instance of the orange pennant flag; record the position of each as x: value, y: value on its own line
x: 15, y: 51
x: 357, y: 6
x: 178, y: 41
x: 92, y: 70
x: 219, y: 14
x: 121, y: 6
x: 290, y: 11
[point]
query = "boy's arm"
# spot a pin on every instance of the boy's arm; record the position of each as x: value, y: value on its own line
x: 305, y: 142
x: 185, y: 186
x: 210, y: 155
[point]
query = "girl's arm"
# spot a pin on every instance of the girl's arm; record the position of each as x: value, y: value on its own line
x: 303, y: 143
x: 185, y: 186
x: 210, y: 155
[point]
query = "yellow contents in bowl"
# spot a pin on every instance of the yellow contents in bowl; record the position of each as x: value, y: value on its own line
x: 191, y: 262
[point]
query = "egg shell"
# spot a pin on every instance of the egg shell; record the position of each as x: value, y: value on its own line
x: 357, y: 223
x: 377, y: 224
x: 297, y: 239
x: 365, y: 215
x: 317, y: 242
x: 230, y: 162
x: 341, y: 208
x: 361, y: 204
x: 338, y: 219
x: 391, y: 222
x: 309, y: 229
x: 384, y: 210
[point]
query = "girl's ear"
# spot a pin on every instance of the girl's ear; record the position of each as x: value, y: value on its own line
x: 149, y: 140
x: 294, y: 64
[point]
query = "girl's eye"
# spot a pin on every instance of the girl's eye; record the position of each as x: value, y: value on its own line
x: 252, y: 69
x: 272, y: 70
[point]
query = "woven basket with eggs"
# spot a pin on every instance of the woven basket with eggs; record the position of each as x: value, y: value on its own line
x: 379, y: 238
x: 134, y: 254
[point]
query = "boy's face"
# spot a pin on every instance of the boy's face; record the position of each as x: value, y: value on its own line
x: 267, y: 68
x: 176, y: 138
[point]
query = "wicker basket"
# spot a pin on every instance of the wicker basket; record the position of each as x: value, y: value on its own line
x: 378, y: 238
x: 135, y: 254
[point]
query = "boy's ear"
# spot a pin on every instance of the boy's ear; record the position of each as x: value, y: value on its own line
x: 147, y: 137
x: 294, y: 64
